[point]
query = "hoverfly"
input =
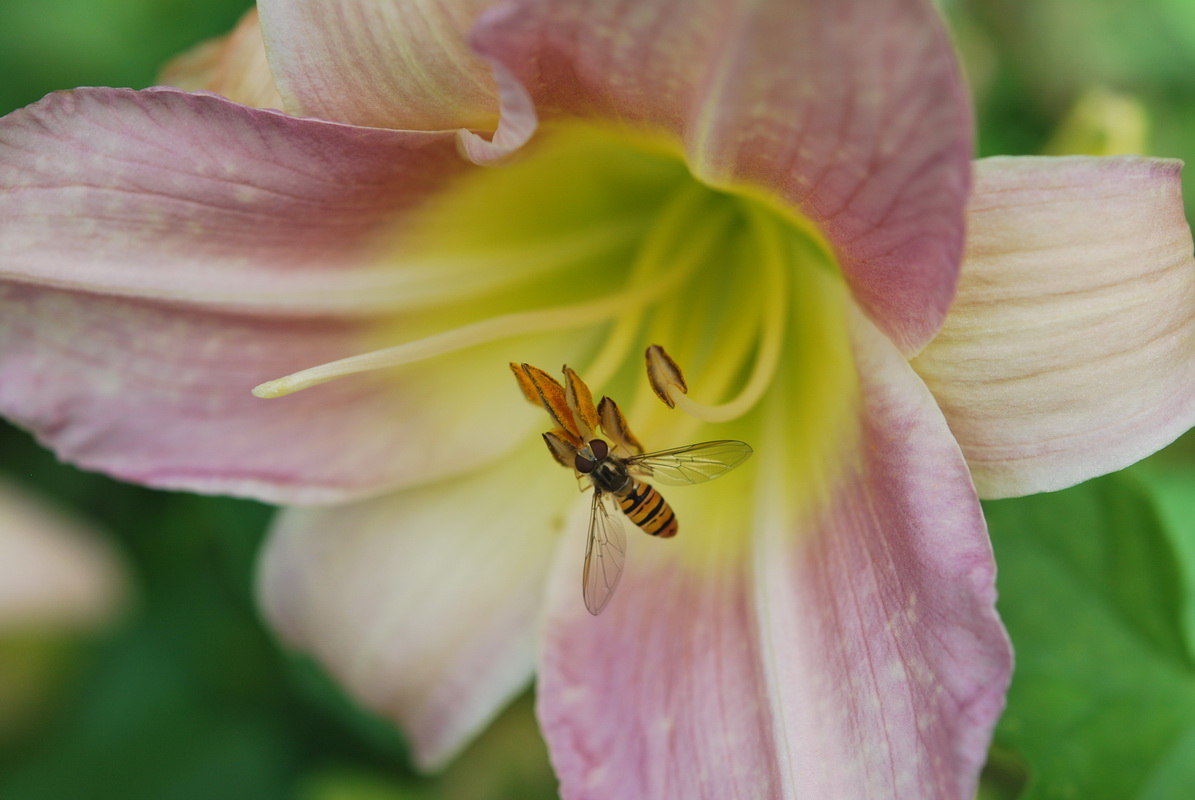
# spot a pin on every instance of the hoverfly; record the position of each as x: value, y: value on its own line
x: 614, y: 469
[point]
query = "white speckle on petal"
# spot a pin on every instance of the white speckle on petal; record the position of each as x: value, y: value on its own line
x: 574, y: 695
x: 595, y: 778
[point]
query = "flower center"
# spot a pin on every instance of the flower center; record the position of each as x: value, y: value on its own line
x: 614, y: 237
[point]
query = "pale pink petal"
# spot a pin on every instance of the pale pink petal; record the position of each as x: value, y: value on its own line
x: 422, y: 603
x: 171, y: 195
x: 662, y: 696
x: 884, y: 644
x: 54, y: 572
x: 385, y: 64
x: 160, y: 395
x: 168, y: 252
x: 1070, y: 350
x: 233, y: 66
x: 517, y: 125
x: 853, y: 652
x: 851, y: 112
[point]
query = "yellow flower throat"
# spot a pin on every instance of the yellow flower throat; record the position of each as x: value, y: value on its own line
x: 609, y: 238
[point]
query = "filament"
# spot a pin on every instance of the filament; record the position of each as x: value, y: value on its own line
x: 673, y: 240
x: 657, y: 248
x: 774, y: 260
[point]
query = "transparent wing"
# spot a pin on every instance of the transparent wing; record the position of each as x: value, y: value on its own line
x: 695, y: 463
x: 604, y: 556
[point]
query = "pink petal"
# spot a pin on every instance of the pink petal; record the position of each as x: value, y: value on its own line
x: 853, y: 652
x: 160, y: 395
x: 234, y: 66
x: 171, y: 251
x: 660, y: 696
x: 885, y: 631
x: 191, y: 197
x: 54, y: 572
x: 515, y: 129
x: 851, y: 112
x: 422, y: 603
x: 1070, y: 350
x: 390, y: 65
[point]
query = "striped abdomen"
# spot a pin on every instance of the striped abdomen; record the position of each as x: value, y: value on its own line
x: 648, y: 509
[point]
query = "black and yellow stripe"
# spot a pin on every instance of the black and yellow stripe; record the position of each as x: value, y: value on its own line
x: 648, y: 509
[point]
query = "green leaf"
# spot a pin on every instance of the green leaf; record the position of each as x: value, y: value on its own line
x: 1173, y: 490
x: 1096, y: 589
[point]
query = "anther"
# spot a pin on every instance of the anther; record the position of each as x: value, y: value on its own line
x: 664, y: 375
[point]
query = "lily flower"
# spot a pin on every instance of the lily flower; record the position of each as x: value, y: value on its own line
x: 56, y: 575
x: 775, y: 192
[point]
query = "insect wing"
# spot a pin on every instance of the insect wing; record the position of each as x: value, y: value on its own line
x: 605, y: 553
x: 695, y: 463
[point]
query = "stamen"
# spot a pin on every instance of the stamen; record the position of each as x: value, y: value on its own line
x: 774, y: 259
x: 553, y: 398
x: 580, y: 402
x: 657, y: 250
x: 615, y: 425
x: 562, y: 446
x: 664, y: 375
x: 680, y: 232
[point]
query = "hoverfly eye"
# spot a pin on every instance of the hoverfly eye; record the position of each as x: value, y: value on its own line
x: 583, y: 464
x: 600, y: 449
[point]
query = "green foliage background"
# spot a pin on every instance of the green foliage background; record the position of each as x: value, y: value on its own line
x: 190, y: 697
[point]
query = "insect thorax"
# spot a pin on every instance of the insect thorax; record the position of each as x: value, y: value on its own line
x: 610, y: 475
